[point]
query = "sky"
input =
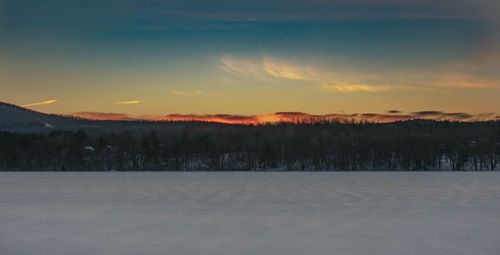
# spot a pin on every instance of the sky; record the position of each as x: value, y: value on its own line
x: 251, y: 57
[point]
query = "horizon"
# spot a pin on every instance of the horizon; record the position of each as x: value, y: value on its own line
x: 388, y: 116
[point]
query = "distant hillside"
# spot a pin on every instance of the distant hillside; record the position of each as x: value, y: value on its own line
x: 13, y: 117
x: 19, y: 119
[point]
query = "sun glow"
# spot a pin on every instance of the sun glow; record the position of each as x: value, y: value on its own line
x: 295, y: 117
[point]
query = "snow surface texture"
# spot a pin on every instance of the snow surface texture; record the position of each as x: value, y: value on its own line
x: 250, y: 213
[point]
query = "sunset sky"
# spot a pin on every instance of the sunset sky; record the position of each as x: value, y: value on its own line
x: 250, y: 57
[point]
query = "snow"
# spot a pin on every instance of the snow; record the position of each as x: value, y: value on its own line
x: 250, y: 213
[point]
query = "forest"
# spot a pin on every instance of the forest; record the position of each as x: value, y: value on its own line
x: 416, y: 145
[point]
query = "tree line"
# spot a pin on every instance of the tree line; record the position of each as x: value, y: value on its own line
x: 330, y: 146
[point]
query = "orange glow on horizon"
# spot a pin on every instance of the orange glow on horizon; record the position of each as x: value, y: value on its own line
x: 293, y: 117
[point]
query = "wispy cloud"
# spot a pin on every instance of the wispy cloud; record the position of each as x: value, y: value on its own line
x: 187, y: 93
x: 480, y: 70
x: 347, y: 80
x: 354, y: 88
x: 130, y: 102
x: 463, y: 80
x: 41, y: 103
x: 269, y: 68
x: 265, y: 68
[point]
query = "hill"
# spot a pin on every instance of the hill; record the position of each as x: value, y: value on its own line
x: 16, y: 118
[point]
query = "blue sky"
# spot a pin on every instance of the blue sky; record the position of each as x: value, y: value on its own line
x: 250, y: 57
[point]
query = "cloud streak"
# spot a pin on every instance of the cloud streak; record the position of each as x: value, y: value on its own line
x: 462, y: 80
x: 40, y: 103
x: 354, y: 88
x: 187, y: 93
x: 130, y: 102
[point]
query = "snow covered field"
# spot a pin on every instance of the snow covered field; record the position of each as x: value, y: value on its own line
x: 250, y: 213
